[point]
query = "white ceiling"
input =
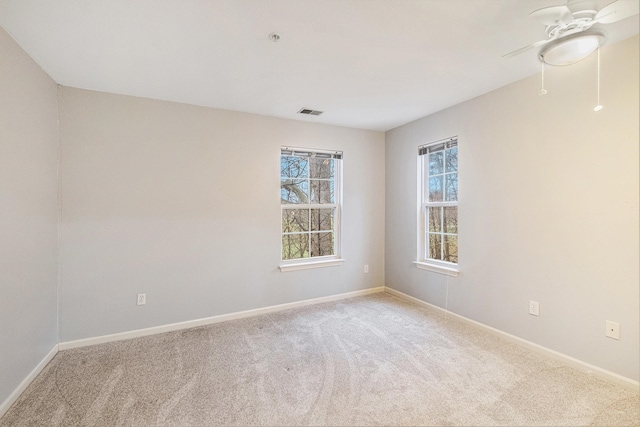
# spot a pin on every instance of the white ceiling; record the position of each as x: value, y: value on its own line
x: 370, y: 64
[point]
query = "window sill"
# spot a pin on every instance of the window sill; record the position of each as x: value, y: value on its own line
x: 311, y: 264
x: 453, y: 272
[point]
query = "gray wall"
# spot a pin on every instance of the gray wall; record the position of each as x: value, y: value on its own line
x: 28, y: 215
x: 182, y: 202
x: 548, y: 209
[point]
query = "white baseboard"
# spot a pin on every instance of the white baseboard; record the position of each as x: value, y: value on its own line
x: 4, y: 407
x: 210, y: 320
x: 573, y: 362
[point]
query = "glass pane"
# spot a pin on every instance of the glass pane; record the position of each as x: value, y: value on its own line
x: 295, y: 246
x: 322, y: 191
x: 452, y: 160
x: 322, y: 219
x: 436, y: 163
x: 452, y: 187
x: 294, y: 191
x: 435, y: 219
x: 321, y: 168
x: 435, y: 189
x: 435, y: 243
x: 450, y: 219
x: 295, y: 220
x: 321, y: 244
x: 450, y: 249
x: 294, y: 167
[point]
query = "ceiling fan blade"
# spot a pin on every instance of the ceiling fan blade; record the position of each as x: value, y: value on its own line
x: 526, y: 48
x: 617, y: 11
x: 552, y: 15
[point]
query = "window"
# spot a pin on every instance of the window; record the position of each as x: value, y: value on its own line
x: 438, y: 230
x: 310, y: 187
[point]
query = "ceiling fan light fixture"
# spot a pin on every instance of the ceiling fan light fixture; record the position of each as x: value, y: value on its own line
x: 571, y: 49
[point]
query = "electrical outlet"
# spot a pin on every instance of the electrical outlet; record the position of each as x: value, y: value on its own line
x: 142, y: 299
x: 534, y: 308
x: 613, y: 330
x: 366, y: 268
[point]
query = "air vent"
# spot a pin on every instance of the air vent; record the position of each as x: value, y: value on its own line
x: 310, y: 112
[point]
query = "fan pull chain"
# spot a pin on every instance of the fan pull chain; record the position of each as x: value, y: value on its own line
x: 599, y: 106
x: 543, y: 91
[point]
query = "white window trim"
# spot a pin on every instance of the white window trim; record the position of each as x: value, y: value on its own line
x: 434, y: 268
x: 424, y: 263
x: 324, y: 261
x: 305, y: 265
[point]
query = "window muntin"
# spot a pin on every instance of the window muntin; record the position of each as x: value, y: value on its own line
x: 439, y: 203
x: 309, y: 194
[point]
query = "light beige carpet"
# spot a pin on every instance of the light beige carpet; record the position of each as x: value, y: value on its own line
x: 372, y: 360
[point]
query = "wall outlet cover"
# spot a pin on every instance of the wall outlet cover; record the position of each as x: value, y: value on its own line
x: 534, y: 308
x: 142, y: 299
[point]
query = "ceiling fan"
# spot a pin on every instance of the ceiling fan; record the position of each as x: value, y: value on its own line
x: 572, y: 23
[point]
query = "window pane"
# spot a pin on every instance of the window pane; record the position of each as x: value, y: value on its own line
x: 295, y: 220
x: 321, y: 168
x: 452, y: 160
x: 295, y: 246
x: 435, y: 221
x: 321, y: 244
x: 435, y: 189
x: 322, y: 219
x: 294, y: 191
x: 322, y: 191
x: 439, y: 169
x: 294, y: 167
x: 450, y: 219
x: 436, y: 163
x: 435, y: 243
x: 450, y: 249
x: 309, y: 178
x: 452, y: 187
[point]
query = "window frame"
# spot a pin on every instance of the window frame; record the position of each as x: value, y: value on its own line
x: 325, y: 260
x: 423, y: 261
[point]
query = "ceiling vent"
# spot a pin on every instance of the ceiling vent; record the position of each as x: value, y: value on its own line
x: 310, y: 112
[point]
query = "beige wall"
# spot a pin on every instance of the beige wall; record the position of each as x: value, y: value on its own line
x: 182, y: 203
x: 548, y: 209
x: 28, y: 215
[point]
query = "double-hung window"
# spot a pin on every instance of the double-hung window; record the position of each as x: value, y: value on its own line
x: 310, y: 185
x: 438, y: 229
